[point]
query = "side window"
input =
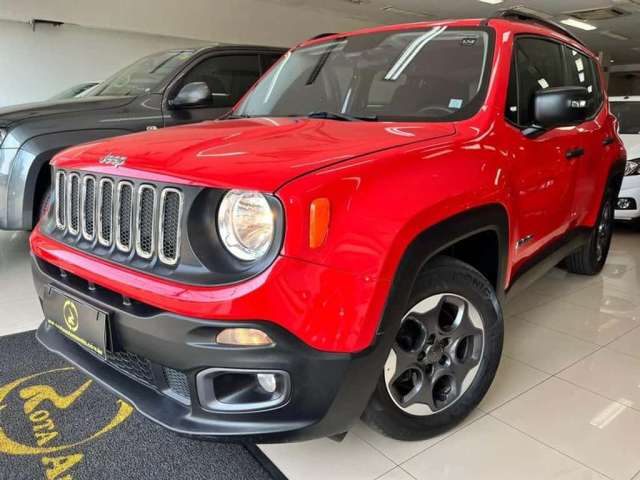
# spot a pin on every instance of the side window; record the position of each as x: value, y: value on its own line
x: 268, y: 59
x: 540, y: 65
x: 512, y: 94
x: 228, y: 77
x: 581, y: 72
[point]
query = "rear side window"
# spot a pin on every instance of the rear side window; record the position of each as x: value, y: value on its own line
x: 539, y: 64
x: 583, y: 72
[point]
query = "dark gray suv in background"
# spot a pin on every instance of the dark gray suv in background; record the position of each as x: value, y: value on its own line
x: 169, y: 88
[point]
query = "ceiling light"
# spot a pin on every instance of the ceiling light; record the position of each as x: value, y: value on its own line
x: 492, y: 2
x: 572, y: 22
x: 615, y: 36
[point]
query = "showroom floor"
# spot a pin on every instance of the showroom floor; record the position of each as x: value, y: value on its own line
x: 565, y: 405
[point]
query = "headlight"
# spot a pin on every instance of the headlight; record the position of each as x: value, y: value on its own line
x: 632, y: 168
x: 246, y: 224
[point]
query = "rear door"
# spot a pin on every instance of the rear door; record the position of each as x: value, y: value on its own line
x: 227, y: 76
x: 593, y: 134
x: 543, y: 179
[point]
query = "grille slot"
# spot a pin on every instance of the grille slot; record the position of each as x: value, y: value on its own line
x: 178, y: 383
x: 170, y: 215
x: 133, y: 365
x: 88, y: 207
x: 124, y: 216
x: 73, y: 203
x: 145, y: 235
x: 61, y: 200
x: 105, y: 212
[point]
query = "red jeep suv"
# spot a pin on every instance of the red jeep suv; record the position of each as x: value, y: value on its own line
x: 340, y: 245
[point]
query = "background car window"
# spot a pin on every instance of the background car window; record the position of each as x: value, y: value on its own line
x: 628, y: 114
x: 539, y: 65
x: 228, y: 77
x: 268, y: 59
x: 582, y: 72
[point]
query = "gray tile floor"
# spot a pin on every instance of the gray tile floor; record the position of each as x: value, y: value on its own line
x: 565, y: 404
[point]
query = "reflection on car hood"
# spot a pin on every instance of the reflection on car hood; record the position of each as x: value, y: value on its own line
x: 19, y: 113
x: 260, y: 153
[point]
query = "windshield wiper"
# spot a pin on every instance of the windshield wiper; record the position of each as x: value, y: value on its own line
x: 343, y: 117
x: 233, y: 116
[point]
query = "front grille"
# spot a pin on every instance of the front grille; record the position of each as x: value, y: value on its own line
x: 133, y: 365
x: 115, y: 213
x: 178, y: 383
x: 141, y: 370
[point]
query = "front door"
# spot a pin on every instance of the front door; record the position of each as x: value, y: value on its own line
x: 541, y: 166
x: 227, y: 76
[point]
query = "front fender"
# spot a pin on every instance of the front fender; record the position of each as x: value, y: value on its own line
x: 21, y: 167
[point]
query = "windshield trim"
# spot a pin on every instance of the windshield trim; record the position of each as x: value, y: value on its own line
x: 470, y: 111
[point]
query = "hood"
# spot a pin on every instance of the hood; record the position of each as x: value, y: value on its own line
x: 632, y: 145
x: 258, y: 154
x: 19, y: 113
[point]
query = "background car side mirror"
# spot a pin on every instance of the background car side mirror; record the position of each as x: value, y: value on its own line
x: 193, y: 94
x: 560, y: 107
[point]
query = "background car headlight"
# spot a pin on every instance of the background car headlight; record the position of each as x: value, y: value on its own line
x: 632, y: 168
x: 246, y: 224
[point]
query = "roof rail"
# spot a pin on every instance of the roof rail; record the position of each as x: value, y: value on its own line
x: 524, y: 16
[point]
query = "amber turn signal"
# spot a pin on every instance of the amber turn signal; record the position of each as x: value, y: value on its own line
x: 243, y: 337
x: 319, y: 216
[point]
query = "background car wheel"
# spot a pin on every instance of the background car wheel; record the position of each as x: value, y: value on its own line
x: 444, y: 357
x: 590, y: 258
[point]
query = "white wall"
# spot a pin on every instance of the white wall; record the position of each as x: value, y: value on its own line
x: 274, y: 22
x: 36, y: 65
x: 94, y: 42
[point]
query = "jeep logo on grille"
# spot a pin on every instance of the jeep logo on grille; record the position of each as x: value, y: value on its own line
x: 114, y: 160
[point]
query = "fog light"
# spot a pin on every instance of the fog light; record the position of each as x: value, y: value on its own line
x: 268, y: 382
x: 245, y: 337
x: 626, y: 204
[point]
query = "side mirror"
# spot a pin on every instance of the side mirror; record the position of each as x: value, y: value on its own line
x: 560, y: 107
x: 193, y: 94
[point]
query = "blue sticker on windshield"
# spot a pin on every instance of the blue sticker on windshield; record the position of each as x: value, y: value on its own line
x: 455, y: 103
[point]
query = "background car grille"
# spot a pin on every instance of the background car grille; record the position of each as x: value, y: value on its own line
x: 116, y: 213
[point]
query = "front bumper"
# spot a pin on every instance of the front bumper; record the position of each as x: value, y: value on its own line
x: 329, y: 391
x: 630, y: 189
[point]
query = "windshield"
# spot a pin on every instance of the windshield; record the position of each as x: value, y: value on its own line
x: 144, y: 75
x: 403, y: 75
x: 628, y: 114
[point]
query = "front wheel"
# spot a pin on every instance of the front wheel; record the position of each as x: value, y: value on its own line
x: 444, y: 357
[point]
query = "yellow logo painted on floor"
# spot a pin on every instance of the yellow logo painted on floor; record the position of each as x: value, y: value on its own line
x: 45, y: 410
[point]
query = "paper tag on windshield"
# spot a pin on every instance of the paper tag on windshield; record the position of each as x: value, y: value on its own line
x: 455, y: 103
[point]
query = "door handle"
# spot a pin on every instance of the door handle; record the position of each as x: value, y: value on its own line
x: 608, y: 141
x: 575, y: 153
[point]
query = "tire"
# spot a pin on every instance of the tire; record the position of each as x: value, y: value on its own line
x: 591, y: 257
x: 435, y: 345
x: 43, y: 205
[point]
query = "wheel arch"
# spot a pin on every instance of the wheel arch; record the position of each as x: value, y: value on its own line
x: 465, y: 236
x: 30, y: 168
